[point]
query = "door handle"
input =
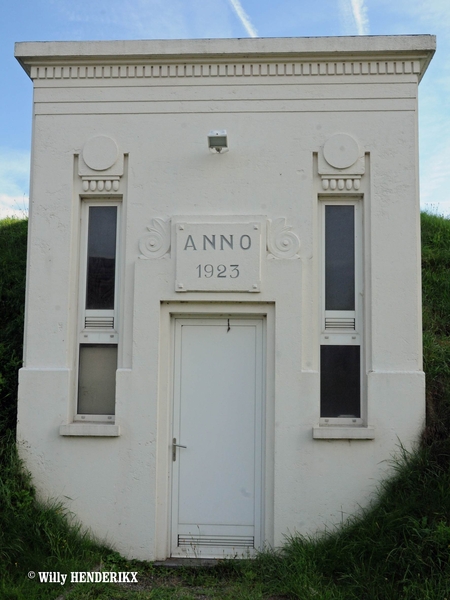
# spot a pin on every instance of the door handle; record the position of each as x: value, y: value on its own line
x: 174, y: 448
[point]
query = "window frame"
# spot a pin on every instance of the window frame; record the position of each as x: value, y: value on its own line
x: 95, y: 335
x: 343, y: 335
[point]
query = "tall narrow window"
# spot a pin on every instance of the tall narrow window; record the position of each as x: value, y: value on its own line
x: 339, y: 257
x: 101, y: 259
x: 97, y: 356
x: 340, y: 350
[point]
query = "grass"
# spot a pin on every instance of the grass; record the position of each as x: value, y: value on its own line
x: 33, y: 536
x: 399, y: 548
x: 13, y: 254
x: 436, y: 329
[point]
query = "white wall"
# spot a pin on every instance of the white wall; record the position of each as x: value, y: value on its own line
x: 280, y: 101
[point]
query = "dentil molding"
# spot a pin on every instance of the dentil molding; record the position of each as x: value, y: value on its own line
x: 230, y: 69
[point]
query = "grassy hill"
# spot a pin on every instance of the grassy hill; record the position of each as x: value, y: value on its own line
x: 397, y: 549
x: 13, y: 255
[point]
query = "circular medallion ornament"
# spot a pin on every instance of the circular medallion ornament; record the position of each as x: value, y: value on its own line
x: 341, y: 151
x: 100, y: 152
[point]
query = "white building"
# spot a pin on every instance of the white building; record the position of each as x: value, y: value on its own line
x: 223, y: 345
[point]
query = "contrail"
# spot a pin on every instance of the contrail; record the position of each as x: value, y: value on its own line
x: 244, y: 18
x: 359, y: 11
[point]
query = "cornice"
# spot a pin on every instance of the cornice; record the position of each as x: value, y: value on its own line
x: 229, y: 57
x: 226, y: 69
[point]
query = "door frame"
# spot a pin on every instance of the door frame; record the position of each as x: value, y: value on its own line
x: 169, y: 312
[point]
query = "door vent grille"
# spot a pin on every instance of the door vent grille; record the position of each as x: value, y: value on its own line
x: 99, y: 323
x: 228, y: 541
x: 337, y: 323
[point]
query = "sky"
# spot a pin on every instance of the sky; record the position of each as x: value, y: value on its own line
x: 48, y: 20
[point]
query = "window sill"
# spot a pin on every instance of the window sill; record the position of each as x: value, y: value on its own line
x: 90, y: 429
x: 342, y: 432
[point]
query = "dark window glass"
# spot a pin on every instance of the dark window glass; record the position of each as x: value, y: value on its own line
x: 340, y: 381
x: 339, y: 257
x: 101, y: 262
x: 97, y: 379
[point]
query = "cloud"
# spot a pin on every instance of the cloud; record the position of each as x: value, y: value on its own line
x: 359, y: 11
x: 128, y: 19
x: 434, y: 180
x: 11, y: 206
x: 14, y: 172
x: 435, y: 12
x: 244, y: 18
x: 14, y: 178
x: 143, y: 19
x: 353, y: 15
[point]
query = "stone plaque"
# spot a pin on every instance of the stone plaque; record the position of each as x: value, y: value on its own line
x: 218, y: 257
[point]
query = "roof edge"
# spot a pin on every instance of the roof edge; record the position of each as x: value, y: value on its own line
x: 201, y: 50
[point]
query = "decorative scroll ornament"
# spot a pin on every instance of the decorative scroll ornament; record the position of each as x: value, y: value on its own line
x: 281, y: 241
x: 156, y: 243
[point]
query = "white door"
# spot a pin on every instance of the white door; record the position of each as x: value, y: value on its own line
x: 217, y: 437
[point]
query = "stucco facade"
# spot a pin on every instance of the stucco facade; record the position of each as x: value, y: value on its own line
x: 226, y: 423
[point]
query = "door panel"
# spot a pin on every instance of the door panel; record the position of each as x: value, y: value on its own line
x: 218, y: 389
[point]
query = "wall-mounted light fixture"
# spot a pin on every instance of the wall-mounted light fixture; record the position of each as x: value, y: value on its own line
x: 218, y: 141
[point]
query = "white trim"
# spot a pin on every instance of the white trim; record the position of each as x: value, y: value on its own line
x: 169, y: 311
x: 343, y: 433
x: 354, y: 47
x: 88, y: 418
x: 337, y: 336
x: 268, y: 68
x: 84, y: 336
x: 93, y: 335
x: 357, y: 313
x: 90, y: 429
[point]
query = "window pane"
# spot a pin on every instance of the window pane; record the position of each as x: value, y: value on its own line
x: 340, y: 381
x: 101, y: 265
x: 339, y: 257
x: 97, y: 379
